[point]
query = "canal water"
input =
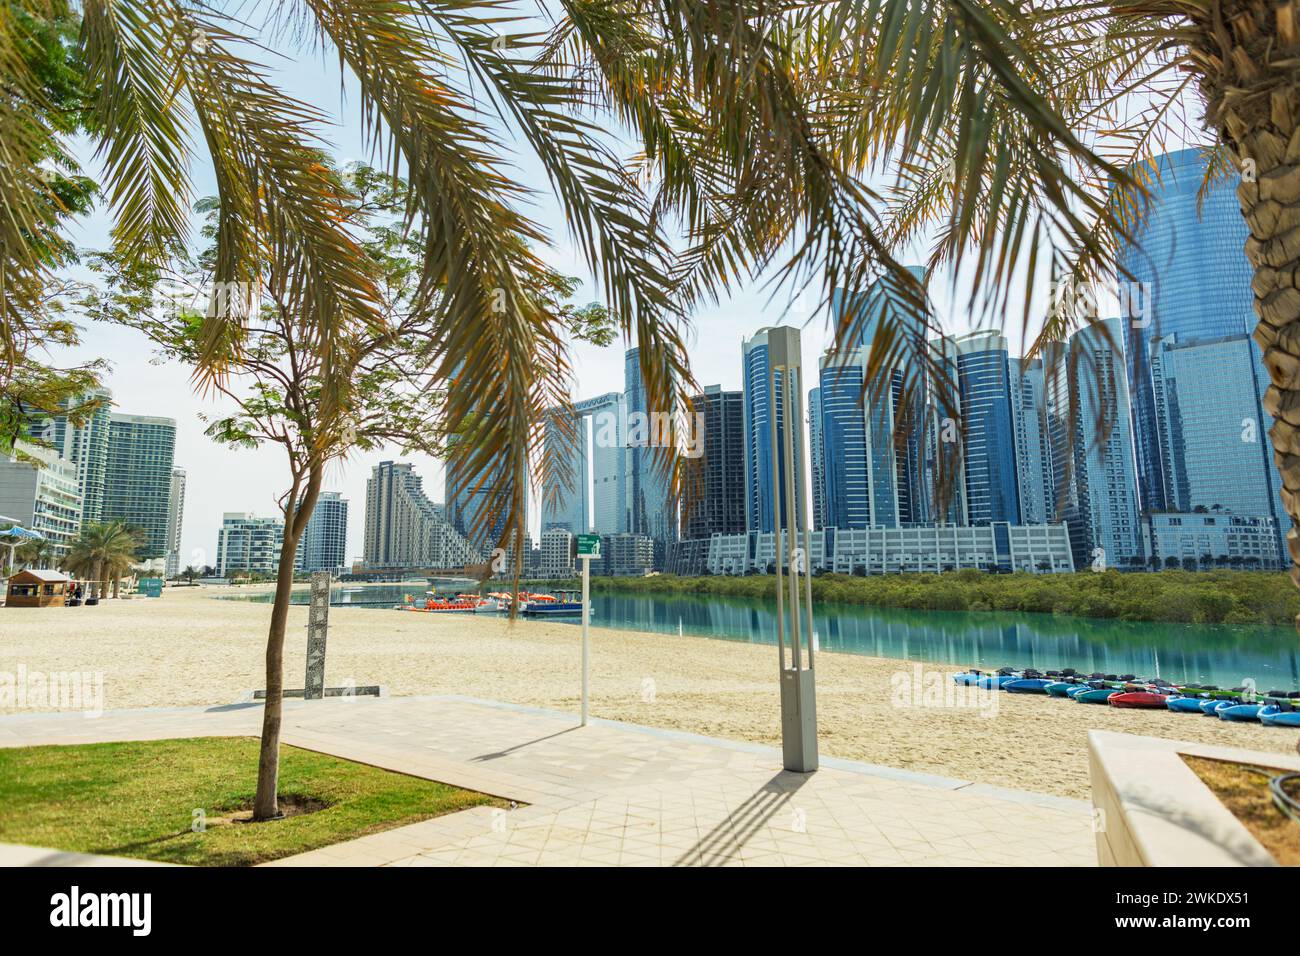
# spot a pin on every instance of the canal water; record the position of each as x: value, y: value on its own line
x: 1210, y: 653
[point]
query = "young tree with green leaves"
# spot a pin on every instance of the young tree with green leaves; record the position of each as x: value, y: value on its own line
x: 277, y: 369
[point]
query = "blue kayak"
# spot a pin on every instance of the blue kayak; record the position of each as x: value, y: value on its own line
x: 1185, y: 705
x: 1240, y: 712
x: 965, y: 678
x: 1212, y: 706
x: 1027, y: 685
x: 1061, y: 688
x: 994, y: 681
x: 1274, y: 716
x: 1091, y: 696
x: 1077, y: 689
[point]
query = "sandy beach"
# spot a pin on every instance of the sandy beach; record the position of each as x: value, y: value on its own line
x: 190, y: 648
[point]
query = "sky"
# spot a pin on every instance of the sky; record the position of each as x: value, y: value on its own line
x: 221, y: 480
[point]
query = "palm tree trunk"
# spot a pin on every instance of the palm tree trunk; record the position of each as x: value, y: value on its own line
x: 266, y: 803
x: 1252, y: 92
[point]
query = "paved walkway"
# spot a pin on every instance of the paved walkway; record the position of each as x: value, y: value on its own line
x: 617, y: 794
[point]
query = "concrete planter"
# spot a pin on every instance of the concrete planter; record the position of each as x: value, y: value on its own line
x: 1151, y: 809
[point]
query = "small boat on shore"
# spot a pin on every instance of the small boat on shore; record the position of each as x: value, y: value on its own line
x: 1095, y: 695
x: 1184, y: 705
x: 1242, y: 712
x: 1279, y: 715
x: 1211, y: 706
x: 1138, y: 699
x: 1062, y: 688
x: 1027, y: 685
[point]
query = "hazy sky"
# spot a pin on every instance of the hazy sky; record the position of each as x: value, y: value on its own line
x: 221, y: 480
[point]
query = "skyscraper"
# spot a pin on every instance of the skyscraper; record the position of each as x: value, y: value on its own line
x: 988, y: 440
x: 759, y: 414
x: 1189, y: 281
x: 404, y: 529
x: 884, y: 481
x: 649, y: 507
x: 1033, y: 452
x: 86, y: 446
x: 175, y: 521
x: 478, y: 506
x: 1095, y: 481
x: 713, y: 500
x: 595, y: 499
x: 138, y: 477
x: 324, y: 543
x: 854, y: 496
x: 816, y: 455
x: 1213, y: 444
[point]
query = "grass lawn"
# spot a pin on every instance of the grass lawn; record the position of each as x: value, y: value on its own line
x: 139, y: 799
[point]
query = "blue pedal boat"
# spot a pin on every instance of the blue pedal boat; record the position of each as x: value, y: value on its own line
x: 1275, y: 716
x: 1062, y: 688
x: 1240, y: 712
x: 1027, y: 685
x: 1185, y: 705
x: 966, y: 678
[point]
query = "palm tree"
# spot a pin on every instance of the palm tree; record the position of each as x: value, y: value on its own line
x: 104, y: 552
x: 190, y: 574
x: 36, y: 554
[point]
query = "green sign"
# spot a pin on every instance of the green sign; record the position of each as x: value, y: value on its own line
x: 589, y: 546
x: 150, y: 587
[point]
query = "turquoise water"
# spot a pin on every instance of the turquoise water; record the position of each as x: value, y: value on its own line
x: 1216, y: 654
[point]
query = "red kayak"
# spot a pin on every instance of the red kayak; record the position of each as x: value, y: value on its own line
x: 1138, y: 698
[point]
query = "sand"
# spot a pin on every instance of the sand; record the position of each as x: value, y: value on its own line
x: 190, y: 648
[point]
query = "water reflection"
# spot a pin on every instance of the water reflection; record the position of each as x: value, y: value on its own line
x: 1218, y: 654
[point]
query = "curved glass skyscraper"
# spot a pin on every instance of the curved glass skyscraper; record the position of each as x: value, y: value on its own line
x: 1188, y: 278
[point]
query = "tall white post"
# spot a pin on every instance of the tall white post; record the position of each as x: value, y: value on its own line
x: 586, y: 635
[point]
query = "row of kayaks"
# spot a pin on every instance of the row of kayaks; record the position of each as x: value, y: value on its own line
x: 1276, y: 709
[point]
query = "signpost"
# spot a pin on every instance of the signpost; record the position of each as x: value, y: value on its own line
x: 588, y: 548
x: 318, y: 616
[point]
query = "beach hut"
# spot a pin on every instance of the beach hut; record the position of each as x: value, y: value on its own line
x: 37, y: 589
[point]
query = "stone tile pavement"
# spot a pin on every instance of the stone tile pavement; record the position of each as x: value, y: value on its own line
x: 615, y: 794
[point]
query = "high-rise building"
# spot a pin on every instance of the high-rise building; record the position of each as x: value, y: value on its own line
x: 1189, y: 280
x: 884, y: 481
x: 248, y: 543
x: 86, y: 446
x: 175, y: 521
x: 1213, y: 445
x: 816, y: 456
x: 138, y: 477
x: 854, y: 495
x: 760, y: 495
x: 1095, y: 481
x: 988, y: 439
x: 1033, y: 452
x: 324, y: 543
x: 713, y: 497
x: 404, y: 529
x: 44, y: 497
x: 594, y: 497
x: 649, y: 506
